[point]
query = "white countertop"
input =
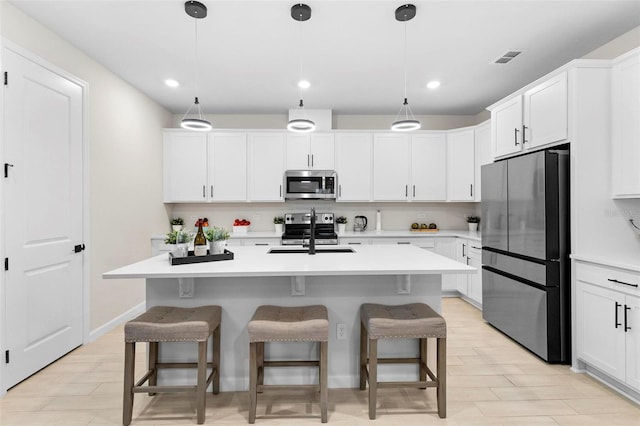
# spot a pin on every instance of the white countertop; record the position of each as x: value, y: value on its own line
x: 624, y: 260
x: 253, y: 261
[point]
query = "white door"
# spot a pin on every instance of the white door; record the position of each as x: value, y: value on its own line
x: 266, y: 166
x: 298, y: 155
x: 632, y: 307
x: 482, y: 142
x: 447, y: 247
x: 545, y: 112
x: 460, y: 165
x: 322, y: 152
x: 391, y: 167
x: 43, y: 216
x: 462, y: 253
x: 227, y: 167
x: 506, y: 127
x: 353, y: 165
x: 185, y: 167
x: 429, y: 167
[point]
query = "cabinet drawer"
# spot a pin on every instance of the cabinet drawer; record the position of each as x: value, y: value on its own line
x: 262, y: 242
x: 608, y: 277
x: 475, y: 250
x: 353, y: 241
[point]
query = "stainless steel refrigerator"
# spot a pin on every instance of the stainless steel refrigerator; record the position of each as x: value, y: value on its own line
x: 525, y: 249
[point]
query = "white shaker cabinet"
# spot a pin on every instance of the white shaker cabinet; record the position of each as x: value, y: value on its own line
x: 546, y: 113
x: 482, y: 145
x: 353, y: 166
x: 460, y: 165
x: 391, y: 167
x: 474, y: 280
x: 315, y: 151
x: 227, y: 167
x: 625, y: 126
x: 446, y: 247
x: 429, y: 167
x: 506, y: 125
x: 266, y: 153
x: 185, y: 167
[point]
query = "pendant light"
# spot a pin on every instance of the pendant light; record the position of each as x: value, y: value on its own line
x: 301, y: 12
x: 196, y: 10
x: 405, y: 121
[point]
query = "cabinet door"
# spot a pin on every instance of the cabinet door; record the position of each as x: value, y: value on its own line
x: 322, y: 152
x: 391, y: 167
x: 185, y: 166
x: 545, y: 112
x: 227, y: 167
x: 447, y: 247
x: 266, y: 166
x: 429, y: 167
x: 599, y: 325
x: 460, y: 165
x: 474, y: 281
x: 462, y: 249
x: 298, y: 155
x: 506, y: 125
x: 482, y: 152
x: 625, y: 127
x: 633, y: 342
x: 353, y: 166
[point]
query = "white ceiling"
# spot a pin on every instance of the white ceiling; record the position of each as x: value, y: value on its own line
x: 249, y: 50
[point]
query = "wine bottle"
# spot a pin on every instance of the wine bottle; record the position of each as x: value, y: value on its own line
x: 200, y: 242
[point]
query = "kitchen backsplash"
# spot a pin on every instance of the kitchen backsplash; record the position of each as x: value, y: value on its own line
x: 395, y: 216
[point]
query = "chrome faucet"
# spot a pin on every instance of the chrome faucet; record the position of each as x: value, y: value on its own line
x: 312, y: 236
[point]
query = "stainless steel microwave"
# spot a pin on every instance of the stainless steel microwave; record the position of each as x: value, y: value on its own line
x: 310, y: 184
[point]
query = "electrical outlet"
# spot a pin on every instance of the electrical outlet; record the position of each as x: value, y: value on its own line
x: 341, y: 331
x: 421, y: 216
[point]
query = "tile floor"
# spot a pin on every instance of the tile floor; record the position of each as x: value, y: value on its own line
x: 491, y: 381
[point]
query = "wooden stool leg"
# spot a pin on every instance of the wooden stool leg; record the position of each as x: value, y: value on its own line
x: 363, y: 356
x: 201, y: 388
x: 423, y: 360
x: 129, y: 372
x: 373, y: 377
x: 153, y: 361
x: 216, y: 360
x: 323, y: 378
x: 260, y: 364
x: 253, y: 381
x: 442, y: 377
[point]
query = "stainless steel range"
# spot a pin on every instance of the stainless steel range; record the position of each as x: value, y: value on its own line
x: 297, y: 229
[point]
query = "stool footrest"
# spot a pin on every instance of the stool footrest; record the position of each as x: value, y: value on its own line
x: 398, y: 360
x: 261, y: 388
x: 291, y: 363
x: 409, y: 384
x: 181, y: 365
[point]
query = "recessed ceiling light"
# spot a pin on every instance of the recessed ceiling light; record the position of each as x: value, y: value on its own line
x: 171, y: 83
x: 433, y: 84
x: 304, y: 84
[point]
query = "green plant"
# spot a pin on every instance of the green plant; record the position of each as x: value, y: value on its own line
x: 278, y: 220
x: 341, y: 219
x: 177, y: 221
x: 171, y: 237
x: 473, y: 219
x: 216, y: 234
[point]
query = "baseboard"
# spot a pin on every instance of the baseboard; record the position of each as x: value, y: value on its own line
x: 126, y: 316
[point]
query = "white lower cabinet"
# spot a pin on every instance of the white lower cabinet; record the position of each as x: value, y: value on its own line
x: 353, y: 241
x: 261, y: 241
x: 474, y: 280
x: 447, y: 247
x: 461, y: 256
x: 608, y: 321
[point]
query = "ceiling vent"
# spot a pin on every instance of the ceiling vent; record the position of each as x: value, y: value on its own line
x: 508, y: 56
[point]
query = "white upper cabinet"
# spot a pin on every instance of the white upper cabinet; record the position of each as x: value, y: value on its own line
x: 460, y: 165
x: 482, y: 144
x: 266, y: 153
x: 506, y: 125
x: 625, y: 122
x: 227, y: 155
x: 315, y: 151
x: 391, y: 167
x: 185, y: 167
x: 429, y: 167
x: 545, y: 112
x: 353, y: 166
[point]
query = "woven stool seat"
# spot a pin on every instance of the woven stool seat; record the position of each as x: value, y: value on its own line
x: 411, y: 321
x: 172, y: 324
x: 289, y: 324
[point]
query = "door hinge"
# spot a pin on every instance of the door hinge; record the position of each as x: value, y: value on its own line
x: 6, y: 356
x: 6, y: 263
x: 6, y: 78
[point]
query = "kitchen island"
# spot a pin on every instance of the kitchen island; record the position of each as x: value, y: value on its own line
x: 342, y: 281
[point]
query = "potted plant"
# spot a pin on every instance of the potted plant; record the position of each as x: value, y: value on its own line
x: 176, y: 223
x: 342, y: 224
x: 278, y: 222
x: 218, y: 239
x: 473, y: 221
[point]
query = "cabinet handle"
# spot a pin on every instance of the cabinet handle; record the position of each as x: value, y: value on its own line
x: 204, y: 191
x: 626, y: 309
x: 281, y: 190
x: 463, y: 246
x: 211, y: 191
x: 307, y: 160
x: 524, y: 138
x: 260, y: 244
x: 339, y: 190
x: 477, y: 248
x: 354, y: 244
x: 515, y: 136
x: 622, y: 282
x: 311, y: 160
x: 406, y: 191
x: 414, y: 191
x: 403, y: 242
x: 617, y: 306
x: 471, y: 189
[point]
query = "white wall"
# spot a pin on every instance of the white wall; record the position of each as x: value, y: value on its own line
x: 125, y: 163
x: 617, y: 46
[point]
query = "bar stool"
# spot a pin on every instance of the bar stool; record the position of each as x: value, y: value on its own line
x: 411, y: 321
x: 171, y: 324
x: 287, y: 324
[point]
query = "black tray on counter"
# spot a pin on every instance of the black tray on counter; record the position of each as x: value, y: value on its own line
x: 227, y: 255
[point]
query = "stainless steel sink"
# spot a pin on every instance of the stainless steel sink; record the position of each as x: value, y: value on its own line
x: 279, y: 250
